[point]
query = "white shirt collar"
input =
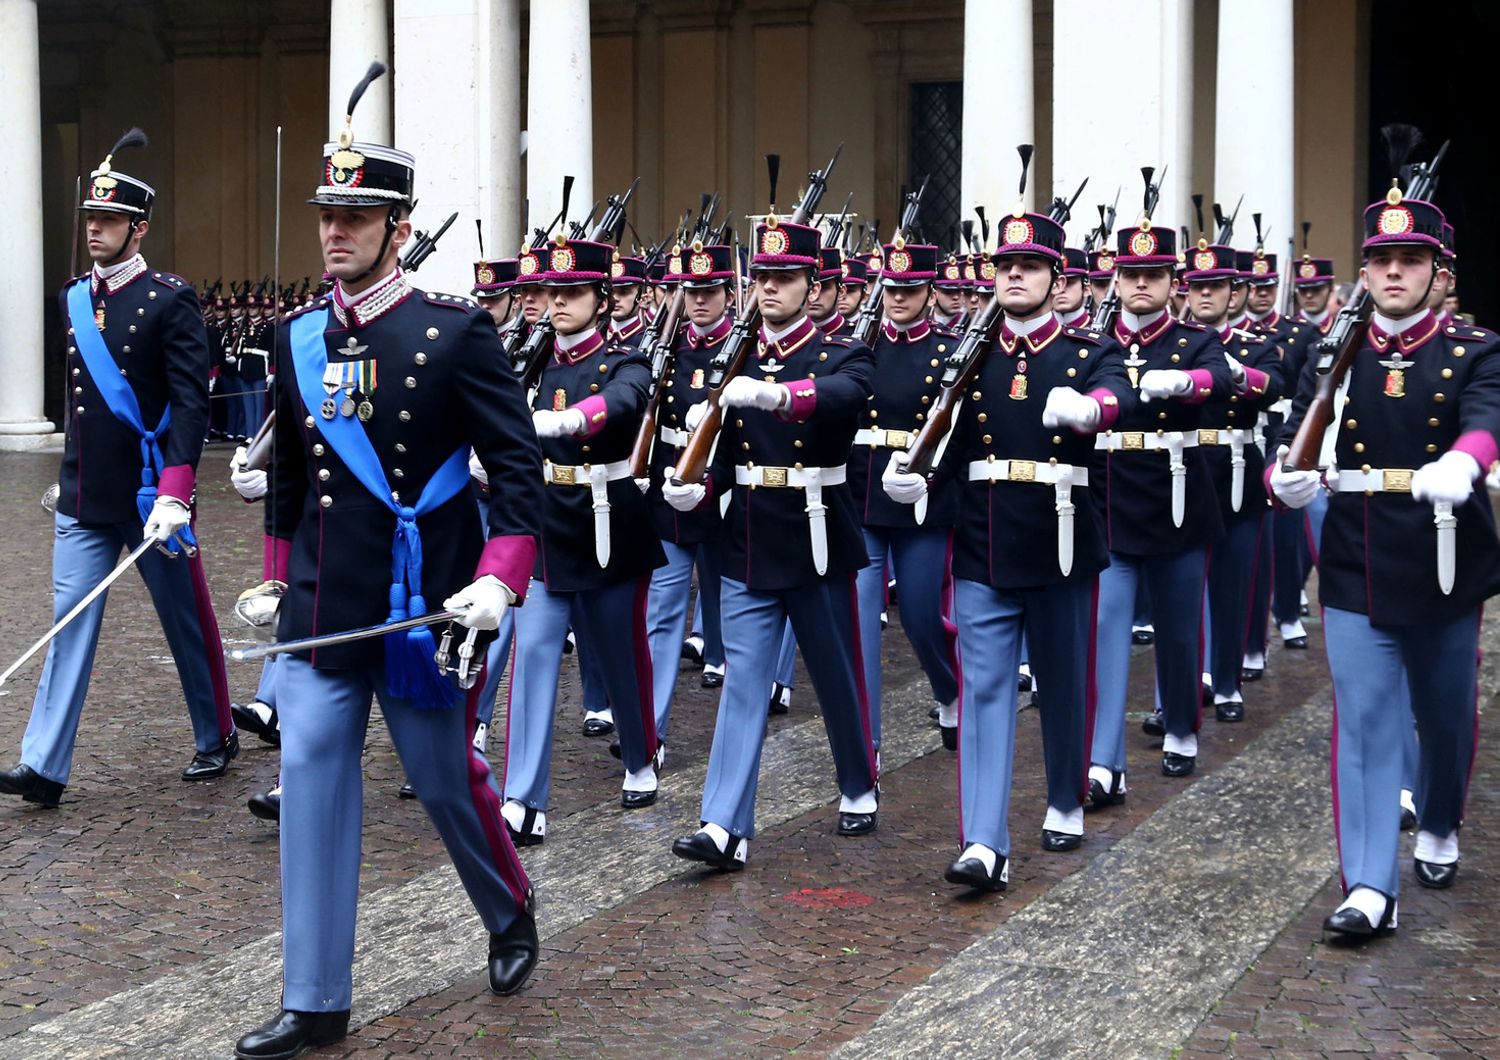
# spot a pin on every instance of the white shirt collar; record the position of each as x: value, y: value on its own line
x: 1077, y: 315
x: 1026, y: 327
x: 777, y: 334
x: 578, y: 338
x: 1137, y: 324
x: 1397, y: 325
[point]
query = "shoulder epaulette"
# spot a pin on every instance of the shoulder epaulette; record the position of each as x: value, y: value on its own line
x: 1085, y: 335
x: 322, y: 302
x: 846, y: 341
x: 1193, y: 324
x: 167, y: 279
x: 452, y: 301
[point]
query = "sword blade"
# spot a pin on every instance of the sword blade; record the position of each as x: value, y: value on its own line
x: 78, y: 608
x: 348, y: 636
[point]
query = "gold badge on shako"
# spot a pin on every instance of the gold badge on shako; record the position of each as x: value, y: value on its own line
x: 1143, y: 244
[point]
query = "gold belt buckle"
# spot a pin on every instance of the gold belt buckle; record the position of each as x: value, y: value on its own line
x: 1023, y: 470
x: 897, y: 439
x: 773, y: 476
x: 1132, y: 440
x: 1396, y: 480
x: 562, y: 475
x: 1208, y: 437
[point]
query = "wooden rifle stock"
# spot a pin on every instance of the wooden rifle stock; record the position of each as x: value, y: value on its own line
x: 661, y: 367
x: 258, y: 451
x: 963, y: 364
x: 1337, y: 350
x: 692, y: 465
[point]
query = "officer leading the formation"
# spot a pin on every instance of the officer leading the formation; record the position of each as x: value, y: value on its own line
x: 381, y: 391
x: 138, y: 363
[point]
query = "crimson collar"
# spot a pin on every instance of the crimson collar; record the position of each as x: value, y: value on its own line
x: 1410, y: 339
x: 785, y: 346
x: 713, y: 338
x: 833, y: 325
x: 1010, y: 342
x: 1145, y: 338
x: 587, y: 348
x: 918, y: 331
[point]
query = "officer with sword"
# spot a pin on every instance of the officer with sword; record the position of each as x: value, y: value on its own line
x: 138, y: 363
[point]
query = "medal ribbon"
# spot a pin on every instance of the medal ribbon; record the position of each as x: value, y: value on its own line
x: 122, y: 401
x: 410, y: 670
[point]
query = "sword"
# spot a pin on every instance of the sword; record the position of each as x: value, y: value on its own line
x: 82, y: 605
x: 1447, y: 525
x: 348, y: 636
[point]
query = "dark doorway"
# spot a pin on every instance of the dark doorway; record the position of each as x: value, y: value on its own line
x: 1443, y: 90
x: 936, y: 151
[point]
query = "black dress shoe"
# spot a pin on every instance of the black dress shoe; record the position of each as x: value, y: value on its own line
x: 700, y: 846
x: 1408, y: 819
x: 1176, y: 765
x: 692, y: 650
x: 1023, y: 682
x: 1350, y: 925
x: 249, y: 721
x: 1143, y: 636
x: 858, y: 823
x: 1431, y: 874
x: 1100, y: 796
x: 513, y: 954
x: 26, y: 782
x: 637, y: 800
x: 950, y: 737
x: 1250, y: 673
x: 933, y: 713
x: 209, y: 764
x: 781, y: 698
x: 406, y: 791
x: 711, y: 678
x: 1154, y: 725
x: 527, y: 835
x: 291, y: 1032
x: 1231, y: 711
x: 970, y: 872
x: 1207, y: 693
x: 1058, y: 842
x: 266, y: 805
x: 597, y: 727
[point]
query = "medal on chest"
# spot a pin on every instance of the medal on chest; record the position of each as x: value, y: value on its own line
x: 1018, y: 382
x: 99, y: 315
x: 1133, y: 365
x: 1395, y: 374
x: 696, y: 382
x: 559, y: 400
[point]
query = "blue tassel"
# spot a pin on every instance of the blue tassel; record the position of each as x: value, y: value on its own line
x: 145, y: 500
x: 410, y: 672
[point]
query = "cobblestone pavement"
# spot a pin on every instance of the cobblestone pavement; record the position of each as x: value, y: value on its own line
x: 139, y: 875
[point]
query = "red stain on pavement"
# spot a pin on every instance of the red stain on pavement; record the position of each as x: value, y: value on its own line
x: 828, y: 898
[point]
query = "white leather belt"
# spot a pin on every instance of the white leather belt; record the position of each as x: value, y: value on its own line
x: 1062, y: 478
x: 811, y: 481
x: 673, y: 437
x: 879, y: 439
x: 1173, y: 442
x: 1237, y: 438
x: 1376, y: 480
x: 597, y: 477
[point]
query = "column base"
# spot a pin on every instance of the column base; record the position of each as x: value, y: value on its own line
x: 29, y: 435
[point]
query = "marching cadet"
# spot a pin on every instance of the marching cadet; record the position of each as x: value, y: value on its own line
x: 1263, y: 282
x: 1401, y: 579
x: 948, y: 295
x: 254, y: 355
x: 598, y: 547
x: 689, y: 539
x: 1027, y: 547
x: 823, y: 308
x: 909, y: 354
x: 856, y: 281
x: 138, y: 361
x: 1235, y: 462
x: 981, y: 280
x: 1159, y: 512
x: 790, y: 417
x: 1071, y: 303
x: 627, y: 322
x: 382, y: 390
x: 1101, y: 271
x: 230, y: 386
x: 494, y: 290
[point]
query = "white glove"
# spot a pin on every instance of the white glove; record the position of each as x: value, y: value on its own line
x: 695, y: 414
x: 1066, y: 407
x: 643, y: 484
x: 1165, y: 383
x: 685, y: 497
x: 1295, y: 489
x: 168, y: 516
x: 900, y: 485
x: 1448, y: 478
x: 476, y: 469
x: 550, y: 424
x: 755, y: 394
x: 1236, y: 369
x: 483, y: 603
x: 250, y: 485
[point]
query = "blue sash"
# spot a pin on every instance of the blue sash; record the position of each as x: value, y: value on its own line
x: 411, y: 672
x: 122, y: 401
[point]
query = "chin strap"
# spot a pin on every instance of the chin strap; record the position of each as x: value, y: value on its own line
x: 392, y: 219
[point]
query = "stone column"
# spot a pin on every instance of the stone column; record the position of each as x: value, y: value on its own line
x: 997, y: 103
x: 359, y: 34
x: 559, y: 109
x: 22, y: 425
x: 1254, y: 130
x: 438, y: 113
x: 1110, y: 120
x: 498, y: 73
